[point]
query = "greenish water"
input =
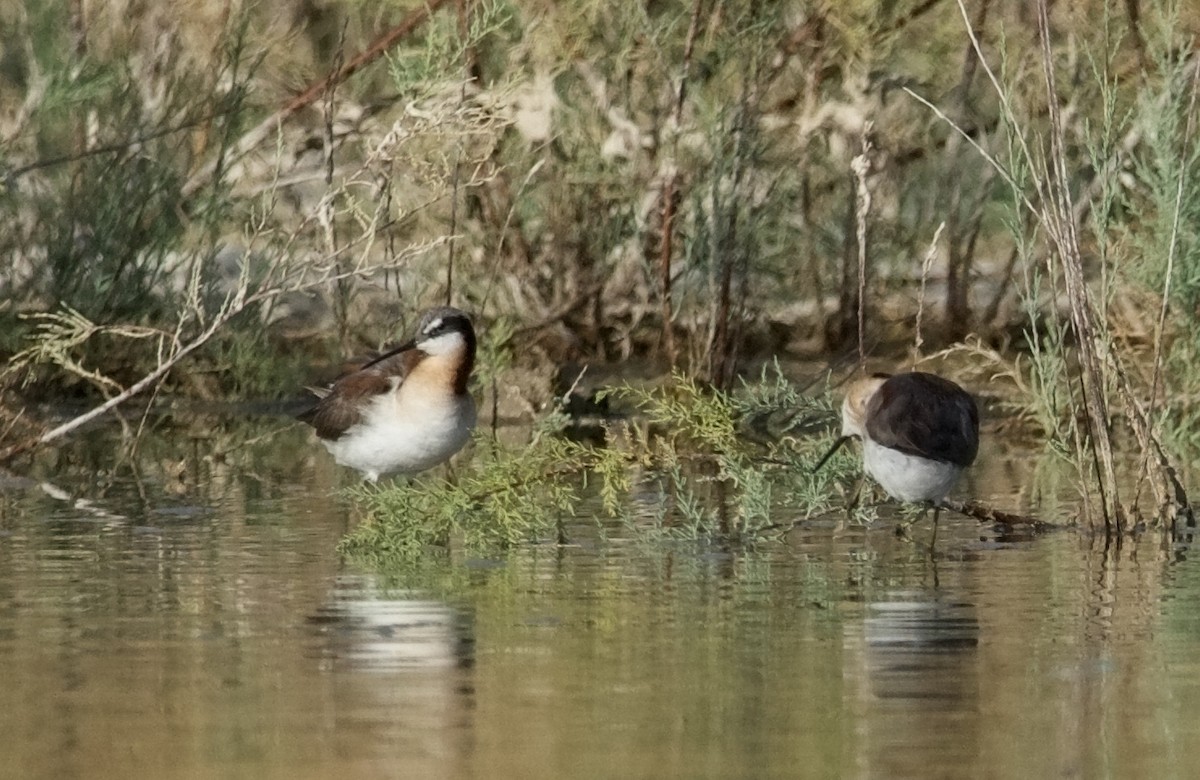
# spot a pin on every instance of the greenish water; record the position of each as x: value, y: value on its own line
x: 191, y: 619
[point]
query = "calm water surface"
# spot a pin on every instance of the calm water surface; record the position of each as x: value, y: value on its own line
x: 190, y: 618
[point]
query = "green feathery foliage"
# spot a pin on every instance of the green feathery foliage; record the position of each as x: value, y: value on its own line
x: 506, y: 496
x: 692, y: 463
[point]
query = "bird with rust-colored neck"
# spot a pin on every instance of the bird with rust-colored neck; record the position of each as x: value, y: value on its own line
x: 406, y: 410
x: 919, y: 433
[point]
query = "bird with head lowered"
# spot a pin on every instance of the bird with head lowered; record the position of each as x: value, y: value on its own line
x: 919, y: 433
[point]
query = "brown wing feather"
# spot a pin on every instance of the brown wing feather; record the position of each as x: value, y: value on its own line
x: 342, y: 406
x: 925, y: 415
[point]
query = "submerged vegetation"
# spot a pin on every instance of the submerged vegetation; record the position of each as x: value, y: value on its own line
x: 704, y: 183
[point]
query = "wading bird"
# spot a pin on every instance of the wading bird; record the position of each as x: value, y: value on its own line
x: 406, y: 410
x: 919, y: 433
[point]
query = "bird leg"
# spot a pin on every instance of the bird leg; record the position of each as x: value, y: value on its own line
x: 855, y: 495
x: 902, y: 528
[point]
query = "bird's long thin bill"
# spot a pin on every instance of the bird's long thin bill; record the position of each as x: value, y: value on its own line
x: 406, y: 346
x: 836, y: 446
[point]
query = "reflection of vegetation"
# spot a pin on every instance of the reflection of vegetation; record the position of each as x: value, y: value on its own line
x: 700, y: 463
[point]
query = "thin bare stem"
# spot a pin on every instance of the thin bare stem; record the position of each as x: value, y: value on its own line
x: 1173, y: 247
x: 508, y: 217
x: 1147, y: 415
x: 926, y: 267
x: 861, y: 165
x: 1001, y: 93
x: 991, y: 160
x: 670, y: 188
x: 1059, y: 219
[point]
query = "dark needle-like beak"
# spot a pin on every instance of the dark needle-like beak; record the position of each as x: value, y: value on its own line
x: 836, y: 446
x: 406, y: 346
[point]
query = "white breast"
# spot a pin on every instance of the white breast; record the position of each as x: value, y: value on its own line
x: 908, y: 477
x: 405, y: 432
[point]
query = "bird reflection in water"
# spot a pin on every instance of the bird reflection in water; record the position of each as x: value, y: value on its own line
x: 400, y: 674
x: 366, y: 629
x: 919, y: 686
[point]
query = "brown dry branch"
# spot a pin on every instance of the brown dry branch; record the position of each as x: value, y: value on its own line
x: 965, y: 215
x: 269, y: 126
x: 669, y: 199
x: 723, y: 338
x: 471, y: 74
x: 962, y: 243
x: 1003, y: 282
x: 973, y: 509
x: 731, y: 250
x: 326, y: 215
x: 988, y: 514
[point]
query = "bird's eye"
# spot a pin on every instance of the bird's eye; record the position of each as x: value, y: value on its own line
x: 433, y: 327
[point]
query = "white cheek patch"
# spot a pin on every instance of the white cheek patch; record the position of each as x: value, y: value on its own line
x: 443, y: 344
